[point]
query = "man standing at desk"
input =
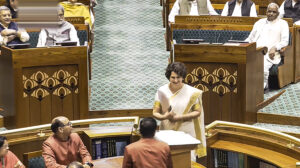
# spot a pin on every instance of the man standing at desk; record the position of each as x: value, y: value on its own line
x: 10, y: 32
x: 64, y: 147
x: 271, y: 32
x: 147, y: 152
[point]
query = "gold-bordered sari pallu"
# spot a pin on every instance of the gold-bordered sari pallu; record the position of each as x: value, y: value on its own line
x: 184, y: 101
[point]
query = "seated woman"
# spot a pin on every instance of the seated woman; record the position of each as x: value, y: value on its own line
x: 8, y: 159
x: 73, y: 8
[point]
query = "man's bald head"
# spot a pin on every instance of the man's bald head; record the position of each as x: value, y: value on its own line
x: 272, y: 11
x: 57, y: 122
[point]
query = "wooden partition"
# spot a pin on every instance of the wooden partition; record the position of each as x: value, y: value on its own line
x: 254, y: 143
x: 231, y: 78
x: 40, y: 83
x: 297, y: 54
x: 30, y: 139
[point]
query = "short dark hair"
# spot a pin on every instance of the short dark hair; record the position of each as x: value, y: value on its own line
x: 147, y: 127
x: 177, y: 67
x: 75, y: 164
x: 2, y: 139
x: 57, y: 123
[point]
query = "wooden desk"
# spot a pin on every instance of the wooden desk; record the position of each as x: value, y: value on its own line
x: 38, y: 84
x: 116, y: 162
x: 231, y: 78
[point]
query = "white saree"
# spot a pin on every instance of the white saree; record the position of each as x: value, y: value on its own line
x: 184, y: 101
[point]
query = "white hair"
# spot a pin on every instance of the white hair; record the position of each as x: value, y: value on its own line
x: 4, y: 8
x: 273, y: 4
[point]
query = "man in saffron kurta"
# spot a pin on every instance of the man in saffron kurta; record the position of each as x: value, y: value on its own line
x: 64, y: 147
x: 147, y: 152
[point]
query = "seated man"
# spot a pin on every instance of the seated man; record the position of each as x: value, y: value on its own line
x: 64, y: 32
x: 64, y: 147
x: 271, y: 32
x: 290, y: 9
x: 13, y: 7
x: 147, y: 152
x: 191, y: 7
x: 239, y: 8
x: 73, y: 8
x: 8, y: 159
x: 10, y: 33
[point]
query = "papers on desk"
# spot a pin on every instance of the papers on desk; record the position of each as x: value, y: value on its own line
x: 232, y: 44
x: 175, y: 138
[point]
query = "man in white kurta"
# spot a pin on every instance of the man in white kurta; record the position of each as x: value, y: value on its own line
x: 65, y: 31
x: 271, y: 32
x: 193, y: 10
x: 238, y: 9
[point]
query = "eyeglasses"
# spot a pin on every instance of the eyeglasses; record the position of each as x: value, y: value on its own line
x: 68, y: 124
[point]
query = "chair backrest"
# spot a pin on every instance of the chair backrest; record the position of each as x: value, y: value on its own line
x: 34, y: 159
x: 33, y: 40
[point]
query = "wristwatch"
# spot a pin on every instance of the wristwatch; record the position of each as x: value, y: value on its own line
x: 89, y: 164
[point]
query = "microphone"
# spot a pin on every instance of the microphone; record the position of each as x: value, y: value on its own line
x: 218, y: 37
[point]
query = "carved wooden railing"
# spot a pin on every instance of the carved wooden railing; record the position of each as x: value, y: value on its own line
x: 277, y: 148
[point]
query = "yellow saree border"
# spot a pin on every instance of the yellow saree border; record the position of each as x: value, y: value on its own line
x: 201, y: 149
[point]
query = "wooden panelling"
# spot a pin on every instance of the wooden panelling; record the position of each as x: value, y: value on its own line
x: 297, y: 54
x: 1, y: 121
x: 50, y: 84
x: 221, y: 20
x: 121, y: 113
x: 231, y: 78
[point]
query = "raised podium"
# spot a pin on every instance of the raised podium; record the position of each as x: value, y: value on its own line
x: 230, y: 76
x: 38, y: 84
x: 180, y: 144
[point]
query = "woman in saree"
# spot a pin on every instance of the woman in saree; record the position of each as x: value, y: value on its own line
x: 179, y: 107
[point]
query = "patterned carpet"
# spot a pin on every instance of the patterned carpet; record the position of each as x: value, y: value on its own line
x: 129, y: 55
x: 287, y: 104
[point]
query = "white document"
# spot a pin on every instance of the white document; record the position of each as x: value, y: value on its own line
x: 175, y: 137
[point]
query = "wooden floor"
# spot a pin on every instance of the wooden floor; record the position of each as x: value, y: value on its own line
x: 116, y: 162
